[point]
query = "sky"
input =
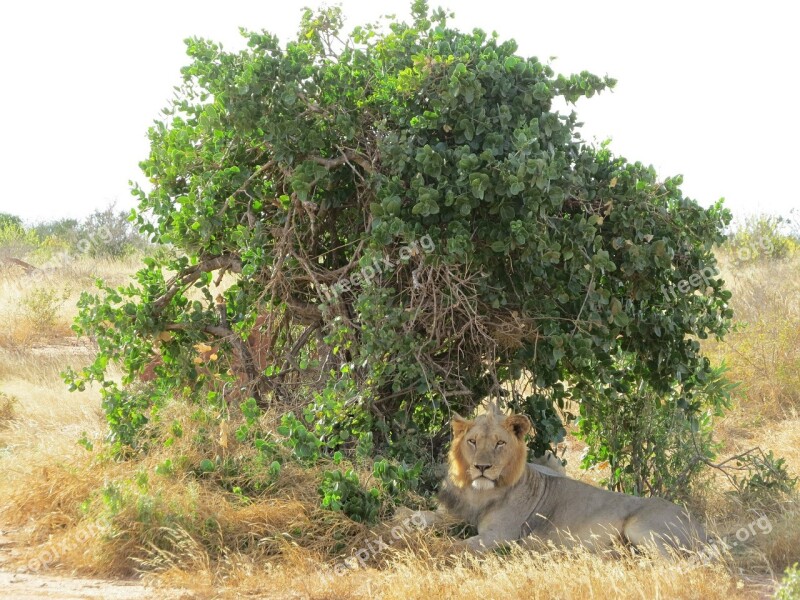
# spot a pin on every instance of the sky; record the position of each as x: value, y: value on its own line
x: 705, y: 89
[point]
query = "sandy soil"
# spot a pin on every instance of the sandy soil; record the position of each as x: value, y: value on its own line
x: 21, y: 586
x: 18, y: 584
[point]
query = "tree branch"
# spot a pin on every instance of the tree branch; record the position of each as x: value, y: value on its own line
x: 347, y: 155
x: 227, y: 262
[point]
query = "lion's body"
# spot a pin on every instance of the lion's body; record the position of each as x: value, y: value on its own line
x: 490, y: 486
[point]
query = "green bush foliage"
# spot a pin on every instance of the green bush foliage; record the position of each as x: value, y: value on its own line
x: 15, y: 240
x: 407, y: 227
x: 342, y: 491
x: 765, y: 476
x: 761, y: 238
x: 7, y: 219
x: 654, y: 444
x: 789, y: 588
x: 106, y: 233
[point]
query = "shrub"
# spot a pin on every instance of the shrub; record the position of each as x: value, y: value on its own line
x: 654, y: 444
x: 58, y: 236
x: 342, y: 491
x: 761, y: 238
x: 16, y: 241
x: 408, y: 212
x: 7, y: 219
x: 108, y: 233
x: 790, y: 584
x: 41, y: 307
x: 766, y: 476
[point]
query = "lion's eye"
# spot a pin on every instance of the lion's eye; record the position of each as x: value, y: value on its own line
x: 500, y: 443
x: 471, y: 442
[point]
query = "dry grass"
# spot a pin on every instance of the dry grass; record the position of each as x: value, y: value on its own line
x: 56, y: 490
x: 7, y: 404
x: 763, y: 350
x: 38, y: 308
x: 521, y: 575
x: 95, y: 515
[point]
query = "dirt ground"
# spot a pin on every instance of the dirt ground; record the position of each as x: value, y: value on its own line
x: 21, y: 584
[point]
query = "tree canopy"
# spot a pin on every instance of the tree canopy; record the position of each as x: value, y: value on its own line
x: 392, y: 225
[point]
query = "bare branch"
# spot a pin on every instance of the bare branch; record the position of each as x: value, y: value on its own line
x: 226, y: 262
x: 343, y: 159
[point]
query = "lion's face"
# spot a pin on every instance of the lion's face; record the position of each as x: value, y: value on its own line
x: 488, y: 452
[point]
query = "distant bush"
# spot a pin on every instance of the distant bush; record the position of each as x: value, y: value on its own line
x: 9, y: 219
x: 15, y: 240
x: 62, y: 232
x: 108, y: 233
x: 35, y: 316
x: 762, y: 237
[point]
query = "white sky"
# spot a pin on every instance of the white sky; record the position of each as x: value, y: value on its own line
x: 705, y: 89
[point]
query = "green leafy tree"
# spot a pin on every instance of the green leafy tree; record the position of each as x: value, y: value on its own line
x: 404, y: 209
x: 761, y: 238
x: 108, y: 233
x: 61, y: 230
x: 16, y: 241
x: 9, y: 220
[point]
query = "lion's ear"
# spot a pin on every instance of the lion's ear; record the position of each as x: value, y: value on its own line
x: 519, y: 425
x: 459, y: 424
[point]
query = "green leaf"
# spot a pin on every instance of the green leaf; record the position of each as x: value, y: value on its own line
x: 507, y: 213
x: 479, y: 182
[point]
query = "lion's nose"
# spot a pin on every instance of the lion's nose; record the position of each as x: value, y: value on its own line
x: 482, y: 468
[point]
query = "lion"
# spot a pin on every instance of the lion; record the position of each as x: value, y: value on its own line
x: 491, y: 486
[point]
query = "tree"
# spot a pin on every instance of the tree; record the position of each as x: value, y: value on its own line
x: 391, y: 226
x: 16, y: 240
x: 108, y: 233
x: 9, y: 220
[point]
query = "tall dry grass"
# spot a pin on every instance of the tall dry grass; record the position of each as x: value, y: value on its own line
x: 412, y: 574
x: 38, y: 307
x: 762, y: 351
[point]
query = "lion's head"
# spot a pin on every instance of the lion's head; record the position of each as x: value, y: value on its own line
x: 489, y: 451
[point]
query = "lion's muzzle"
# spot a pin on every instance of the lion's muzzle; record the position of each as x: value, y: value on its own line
x: 480, y: 477
x: 483, y: 483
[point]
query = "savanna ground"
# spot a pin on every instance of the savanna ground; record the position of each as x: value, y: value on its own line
x: 56, y: 494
